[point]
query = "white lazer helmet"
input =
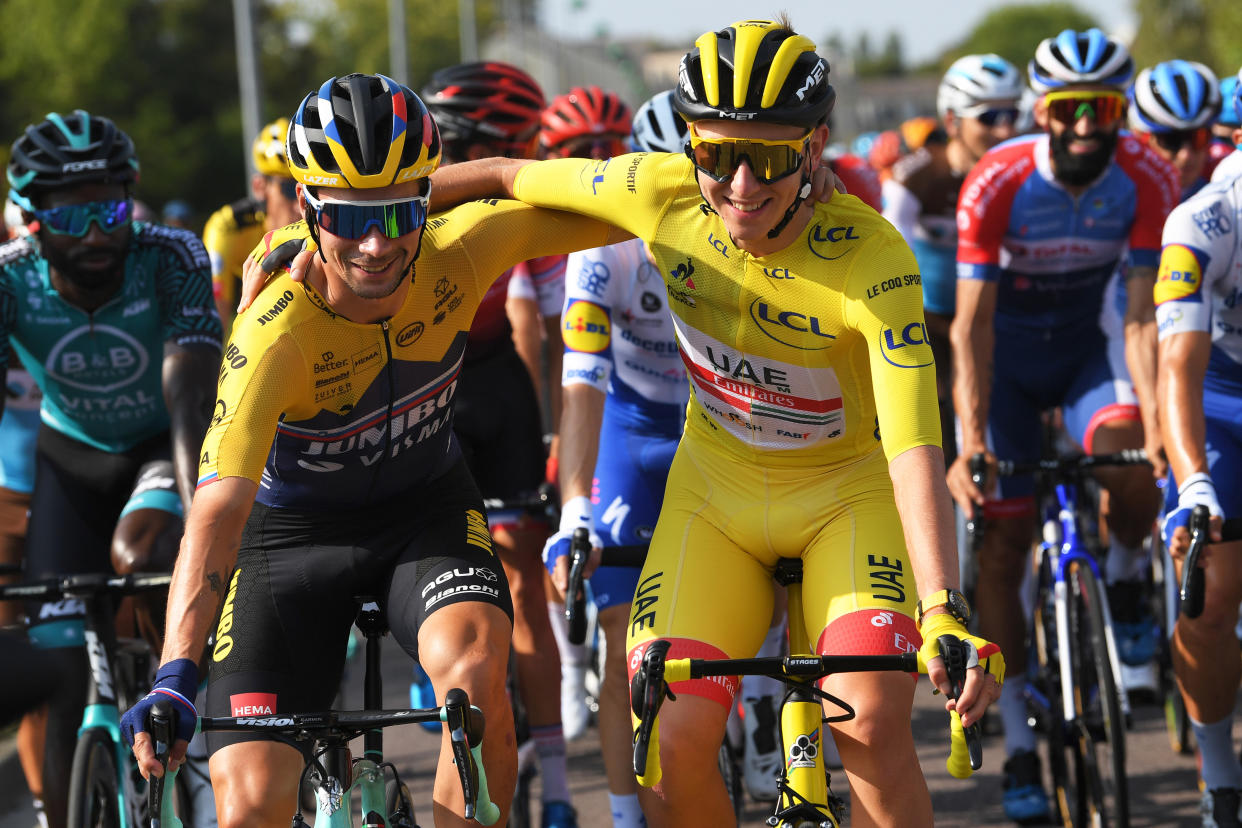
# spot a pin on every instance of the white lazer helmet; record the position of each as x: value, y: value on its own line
x: 1173, y: 96
x: 1074, y: 58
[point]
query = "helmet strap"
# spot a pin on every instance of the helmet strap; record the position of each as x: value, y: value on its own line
x: 803, y: 192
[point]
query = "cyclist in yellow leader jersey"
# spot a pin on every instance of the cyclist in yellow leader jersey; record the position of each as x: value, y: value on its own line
x: 812, y: 427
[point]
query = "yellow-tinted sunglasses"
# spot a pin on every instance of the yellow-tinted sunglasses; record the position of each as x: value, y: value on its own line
x: 719, y: 158
x: 1105, y: 107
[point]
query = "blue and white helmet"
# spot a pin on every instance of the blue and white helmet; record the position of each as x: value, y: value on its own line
x: 976, y: 80
x: 1173, y: 96
x: 657, y: 127
x: 1073, y: 58
x: 1231, y: 101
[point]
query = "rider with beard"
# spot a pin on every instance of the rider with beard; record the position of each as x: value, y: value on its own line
x: 113, y: 318
x: 1043, y: 222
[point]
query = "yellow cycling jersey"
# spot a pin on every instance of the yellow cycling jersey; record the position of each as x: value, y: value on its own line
x: 806, y: 357
x: 229, y: 235
x: 323, y: 412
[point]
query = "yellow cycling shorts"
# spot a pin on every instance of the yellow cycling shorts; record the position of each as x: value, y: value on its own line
x: 707, y: 585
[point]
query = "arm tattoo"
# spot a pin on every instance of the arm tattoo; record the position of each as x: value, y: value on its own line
x: 213, y: 582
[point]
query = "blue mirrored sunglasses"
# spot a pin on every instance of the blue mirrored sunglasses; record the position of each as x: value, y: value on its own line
x: 998, y: 117
x: 354, y: 219
x: 75, y: 219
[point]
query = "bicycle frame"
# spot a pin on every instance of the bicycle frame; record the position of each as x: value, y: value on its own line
x: 102, y: 710
x: 1062, y: 545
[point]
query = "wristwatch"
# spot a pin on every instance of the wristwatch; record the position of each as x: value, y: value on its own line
x: 952, y: 600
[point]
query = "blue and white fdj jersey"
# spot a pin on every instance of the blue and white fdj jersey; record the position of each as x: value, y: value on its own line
x: 1199, y: 290
x: 619, y: 338
x: 100, y: 372
x: 619, y: 335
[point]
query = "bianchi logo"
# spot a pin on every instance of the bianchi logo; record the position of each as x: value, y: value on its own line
x: 97, y: 358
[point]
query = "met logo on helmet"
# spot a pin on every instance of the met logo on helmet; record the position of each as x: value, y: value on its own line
x: 812, y: 79
x: 79, y: 166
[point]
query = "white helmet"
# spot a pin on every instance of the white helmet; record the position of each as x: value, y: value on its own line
x: 1174, y: 95
x: 657, y: 127
x: 1072, y: 58
x: 977, y: 79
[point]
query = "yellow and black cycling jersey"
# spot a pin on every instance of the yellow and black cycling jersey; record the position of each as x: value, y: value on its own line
x: 324, y: 412
x: 807, y: 357
x: 229, y: 235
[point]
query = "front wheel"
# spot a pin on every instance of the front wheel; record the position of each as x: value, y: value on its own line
x: 1100, y: 731
x: 731, y: 771
x: 94, y: 785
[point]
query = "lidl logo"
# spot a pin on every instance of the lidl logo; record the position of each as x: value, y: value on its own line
x: 1180, y: 274
x: 585, y: 327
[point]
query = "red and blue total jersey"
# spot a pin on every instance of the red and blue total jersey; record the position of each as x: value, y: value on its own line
x: 1050, y: 251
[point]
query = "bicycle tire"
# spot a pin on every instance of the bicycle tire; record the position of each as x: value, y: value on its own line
x: 731, y: 771
x: 94, y: 782
x: 1048, y: 680
x: 1100, y: 732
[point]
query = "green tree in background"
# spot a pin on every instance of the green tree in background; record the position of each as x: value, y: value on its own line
x: 166, y: 72
x: 1209, y: 31
x: 1013, y: 32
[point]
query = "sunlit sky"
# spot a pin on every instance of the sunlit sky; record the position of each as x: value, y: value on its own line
x: 927, y: 28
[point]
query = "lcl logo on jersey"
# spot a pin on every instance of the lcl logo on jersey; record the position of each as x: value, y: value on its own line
x: 907, y: 347
x: 822, y: 240
x: 797, y: 330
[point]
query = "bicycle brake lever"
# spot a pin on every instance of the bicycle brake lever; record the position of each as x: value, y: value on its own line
x: 953, y: 651
x: 648, y: 690
x: 1192, y: 587
x: 575, y: 596
x: 454, y: 712
x: 160, y: 729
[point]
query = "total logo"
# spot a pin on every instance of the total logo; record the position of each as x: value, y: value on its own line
x: 907, y: 347
x: 822, y: 240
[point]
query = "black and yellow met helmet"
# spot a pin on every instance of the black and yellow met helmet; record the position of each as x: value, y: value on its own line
x: 755, y: 70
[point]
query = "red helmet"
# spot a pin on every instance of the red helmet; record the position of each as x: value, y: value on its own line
x: 584, y: 111
x: 488, y: 102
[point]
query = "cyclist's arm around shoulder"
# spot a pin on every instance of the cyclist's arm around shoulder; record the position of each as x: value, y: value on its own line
x: 200, y: 580
x: 472, y: 180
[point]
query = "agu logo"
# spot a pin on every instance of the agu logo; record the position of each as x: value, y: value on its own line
x: 906, y: 347
x: 585, y: 327
x: 1180, y: 273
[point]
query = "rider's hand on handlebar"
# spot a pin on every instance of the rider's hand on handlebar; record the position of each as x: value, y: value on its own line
x: 575, y: 513
x: 986, y: 666
x: 962, y: 487
x: 176, y: 682
x: 1197, y: 490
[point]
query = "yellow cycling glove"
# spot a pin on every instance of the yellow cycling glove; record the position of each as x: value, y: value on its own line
x: 981, y: 651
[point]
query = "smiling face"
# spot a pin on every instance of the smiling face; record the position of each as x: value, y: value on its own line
x: 1082, y: 145
x: 748, y: 207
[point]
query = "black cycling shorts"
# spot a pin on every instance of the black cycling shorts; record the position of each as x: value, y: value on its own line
x: 80, y: 493
x: 280, y: 639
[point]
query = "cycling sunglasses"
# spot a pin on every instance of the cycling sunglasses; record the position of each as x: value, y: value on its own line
x: 719, y: 158
x: 1172, y: 142
x: 998, y: 117
x: 1105, y: 107
x: 354, y: 219
x: 75, y: 219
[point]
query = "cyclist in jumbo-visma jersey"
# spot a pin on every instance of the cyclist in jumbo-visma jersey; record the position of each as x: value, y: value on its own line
x: 812, y: 424
x: 331, y: 460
